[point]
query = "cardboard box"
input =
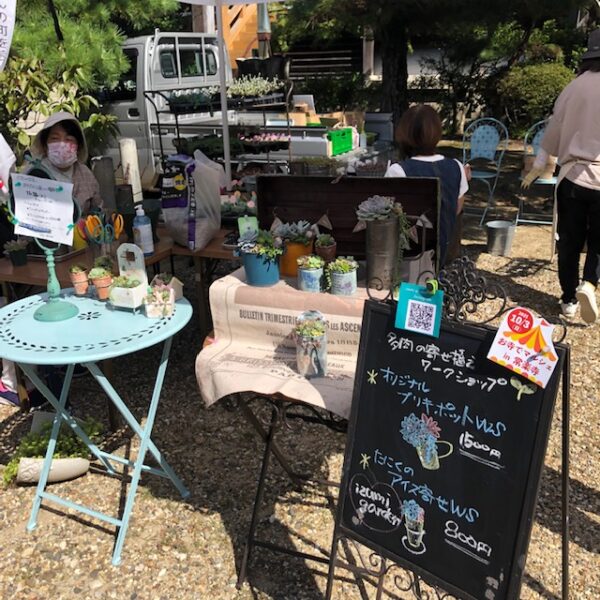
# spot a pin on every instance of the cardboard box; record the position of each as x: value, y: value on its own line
x: 298, y: 118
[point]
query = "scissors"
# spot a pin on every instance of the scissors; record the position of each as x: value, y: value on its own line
x: 97, y: 232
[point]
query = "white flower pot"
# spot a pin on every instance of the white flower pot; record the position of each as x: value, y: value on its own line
x: 61, y: 469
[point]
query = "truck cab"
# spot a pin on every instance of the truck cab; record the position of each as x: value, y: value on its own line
x: 163, y: 62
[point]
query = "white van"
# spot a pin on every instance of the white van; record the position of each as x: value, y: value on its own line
x: 162, y: 62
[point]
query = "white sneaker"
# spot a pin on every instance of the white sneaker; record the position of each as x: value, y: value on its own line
x: 586, y: 294
x: 569, y: 309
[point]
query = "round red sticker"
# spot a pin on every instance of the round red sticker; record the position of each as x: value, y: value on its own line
x: 520, y: 320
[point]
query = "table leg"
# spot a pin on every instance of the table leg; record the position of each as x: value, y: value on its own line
x: 100, y: 377
x: 64, y: 394
x: 144, y: 445
x: 203, y: 306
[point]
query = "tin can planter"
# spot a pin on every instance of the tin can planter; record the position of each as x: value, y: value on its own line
x: 341, y: 276
x: 382, y: 253
x: 289, y: 260
x: 343, y: 284
x: 310, y: 280
x: 260, y: 270
x: 311, y: 344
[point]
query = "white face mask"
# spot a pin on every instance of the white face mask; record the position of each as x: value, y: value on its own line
x: 62, y: 154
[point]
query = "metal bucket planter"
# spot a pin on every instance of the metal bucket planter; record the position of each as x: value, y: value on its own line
x: 500, y: 236
x: 260, y: 271
x: 382, y: 253
x: 343, y: 284
x: 310, y: 280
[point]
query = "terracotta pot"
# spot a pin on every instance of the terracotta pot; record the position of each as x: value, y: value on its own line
x: 102, y: 285
x: 293, y: 250
x: 80, y: 282
x: 327, y: 253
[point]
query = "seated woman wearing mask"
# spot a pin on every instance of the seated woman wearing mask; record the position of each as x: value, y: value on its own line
x: 59, y: 151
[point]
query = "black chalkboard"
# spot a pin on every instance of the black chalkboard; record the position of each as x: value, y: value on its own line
x: 473, y: 487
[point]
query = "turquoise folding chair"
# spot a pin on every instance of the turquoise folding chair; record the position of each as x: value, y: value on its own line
x: 531, y: 147
x: 486, y: 139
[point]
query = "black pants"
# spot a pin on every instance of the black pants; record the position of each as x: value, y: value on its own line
x: 578, y: 223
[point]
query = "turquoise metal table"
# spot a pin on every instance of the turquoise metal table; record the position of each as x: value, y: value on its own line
x: 96, y: 333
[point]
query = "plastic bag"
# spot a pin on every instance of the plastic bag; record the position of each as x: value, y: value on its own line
x: 191, y: 199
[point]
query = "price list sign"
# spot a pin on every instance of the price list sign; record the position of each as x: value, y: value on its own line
x: 444, y: 455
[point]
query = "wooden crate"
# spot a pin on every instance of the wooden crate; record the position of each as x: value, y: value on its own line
x: 292, y: 198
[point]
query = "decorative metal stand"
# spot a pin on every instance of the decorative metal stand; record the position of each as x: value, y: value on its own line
x: 465, y: 291
x: 284, y: 415
x: 55, y: 309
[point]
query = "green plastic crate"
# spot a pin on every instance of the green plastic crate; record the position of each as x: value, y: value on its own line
x: 341, y: 140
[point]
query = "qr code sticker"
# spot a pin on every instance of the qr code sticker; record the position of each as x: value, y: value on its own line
x: 420, y: 317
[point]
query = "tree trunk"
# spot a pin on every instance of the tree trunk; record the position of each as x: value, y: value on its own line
x: 394, y: 53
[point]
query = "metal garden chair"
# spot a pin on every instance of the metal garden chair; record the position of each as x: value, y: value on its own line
x: 531, y: 147
x: 487, y: 139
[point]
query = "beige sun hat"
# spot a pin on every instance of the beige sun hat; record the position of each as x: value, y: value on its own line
x: 37, y: 148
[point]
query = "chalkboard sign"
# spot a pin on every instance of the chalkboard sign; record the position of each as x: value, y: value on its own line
x: 443, y: 457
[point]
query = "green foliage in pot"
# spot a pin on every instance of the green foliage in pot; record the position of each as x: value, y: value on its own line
x: 324, y: 240
x: 310, y: 328
x: 310, y: 261
x: 15, y: 245
x: 300, y: 232
x: 98, y: 273
x: 342, y: 264
x: 77, y: 269
x: 263, y: 243
x: 68, y: 445
x: 104, y: 262
x: 123, y: 281
x: 252, y: 87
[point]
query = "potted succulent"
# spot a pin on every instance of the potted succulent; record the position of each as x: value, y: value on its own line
x: 298, y: 238
x: 260, y: 252
x: 70, y: 458
x: 387, y: 238
x: 310, y: 273
x: 105, y: 262
x: 79, y: 278
x: 341, y: 276
x: 159, y: 301
x: 325, y: 246
x: 127, y: 291
x: 17, y: 252
x: 101, y: 279
x: 311, y: 344
x: 170, y: 281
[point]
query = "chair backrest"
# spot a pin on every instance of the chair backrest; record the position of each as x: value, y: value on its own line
x: 533, y: 138
x: 486, y: 138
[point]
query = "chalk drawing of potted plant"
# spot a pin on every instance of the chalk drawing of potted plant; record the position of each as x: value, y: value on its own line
x: 423, y: 434
x: 414, y: 521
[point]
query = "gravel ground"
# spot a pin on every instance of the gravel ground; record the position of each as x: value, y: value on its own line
x: 191, y: 549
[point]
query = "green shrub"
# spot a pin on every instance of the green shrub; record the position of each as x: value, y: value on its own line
x: 528, y: 93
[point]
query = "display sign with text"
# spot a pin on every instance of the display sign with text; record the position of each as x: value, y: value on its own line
x: 444, y: 455
x: 43, y: 208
